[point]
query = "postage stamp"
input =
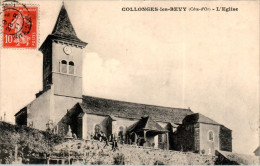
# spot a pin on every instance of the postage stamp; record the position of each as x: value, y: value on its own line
x: 19, y: 26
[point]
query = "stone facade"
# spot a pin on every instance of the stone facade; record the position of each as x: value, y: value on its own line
x: 203, y: 138
x: 37, y: 113
x: 225, y: 138
x: 185, y: 138
x: 208, y: 146
x: 66, y: 84
x: 61, y: 105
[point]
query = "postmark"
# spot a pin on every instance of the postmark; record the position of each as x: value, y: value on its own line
x: 19, y: 26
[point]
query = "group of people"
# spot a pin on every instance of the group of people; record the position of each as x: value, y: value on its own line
x: 113, y: 143
x: 100, y: 136
x: 103, y: 138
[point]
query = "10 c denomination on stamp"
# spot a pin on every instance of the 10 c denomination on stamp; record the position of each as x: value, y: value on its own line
x: 19, y: 26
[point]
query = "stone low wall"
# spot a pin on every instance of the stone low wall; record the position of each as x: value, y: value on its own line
x: 137, y: 155
x: 134, y: 155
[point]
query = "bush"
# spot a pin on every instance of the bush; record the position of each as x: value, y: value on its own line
x: 97, y: 162
x: 119, y: 159
x: 29, y: 141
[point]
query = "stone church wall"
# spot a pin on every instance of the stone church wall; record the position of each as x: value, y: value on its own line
x: 21, y: 117
x: 64, y: 85
x: 225, y: 137
x: 207, y: 146
x: 185, y: 138
x: 38, y: 111
x: 197, y: 138
x: 67, y: 84
x: 121, y: 123
x: 75, y: 56
x: 108, y: 126
x: 61, y: 105
x: 89, y: 123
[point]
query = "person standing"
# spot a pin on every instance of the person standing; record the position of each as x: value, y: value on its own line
x: 114, y: 145
x: 106, y: 141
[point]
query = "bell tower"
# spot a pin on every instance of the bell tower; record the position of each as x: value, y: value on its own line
x: 62, y: 77
x: 62, y: 67
x: 62, y: 58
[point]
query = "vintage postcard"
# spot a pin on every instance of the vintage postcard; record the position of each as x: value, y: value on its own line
x: 129, y: 82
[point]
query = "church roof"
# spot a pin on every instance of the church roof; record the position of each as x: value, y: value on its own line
x: 63, y: 31
x: 109, y: 107
x: 199, y: 118
x: 146, y: 123
x: 63, y: 27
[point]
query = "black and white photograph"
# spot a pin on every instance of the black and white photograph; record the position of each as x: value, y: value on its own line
x: 129, y: 82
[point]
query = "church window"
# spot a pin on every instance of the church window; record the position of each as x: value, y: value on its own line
x: 64, y: 66
x: 211, y: 136
x: 71, y: 67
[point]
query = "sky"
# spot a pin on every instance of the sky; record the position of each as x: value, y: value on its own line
x: 208, y: 61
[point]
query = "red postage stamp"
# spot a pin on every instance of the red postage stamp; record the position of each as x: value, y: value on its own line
x: 20, y: 27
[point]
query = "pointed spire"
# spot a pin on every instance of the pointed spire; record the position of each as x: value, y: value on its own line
x: 63, y: 30
x: 63, y: 27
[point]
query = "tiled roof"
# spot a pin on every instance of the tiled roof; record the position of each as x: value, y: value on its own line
x: 199, y: 118
x: 133, y: 110
x: 63, y: 27
x: 146, y: 123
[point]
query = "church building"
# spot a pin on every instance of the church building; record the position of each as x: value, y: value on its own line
x: 62, y: 107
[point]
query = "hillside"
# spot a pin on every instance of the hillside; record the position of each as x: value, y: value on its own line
x: 29, y: 142
x: 39, y: 147
x: 32, y: 143
x: 94, y: 152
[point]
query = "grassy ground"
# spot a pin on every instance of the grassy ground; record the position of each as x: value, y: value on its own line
x: 27, y: 141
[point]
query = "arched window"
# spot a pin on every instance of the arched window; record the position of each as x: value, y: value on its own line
x: 71, y: 67
x: 211, y: 136
x: 64, y: 66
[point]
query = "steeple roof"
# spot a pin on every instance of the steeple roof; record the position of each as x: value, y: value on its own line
x: 63, y: 27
